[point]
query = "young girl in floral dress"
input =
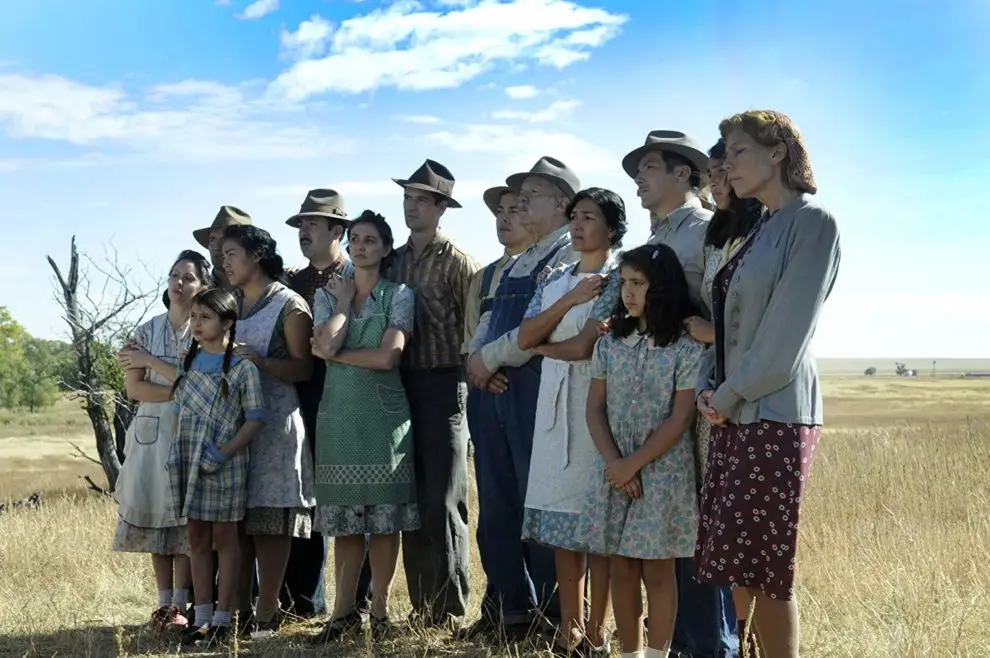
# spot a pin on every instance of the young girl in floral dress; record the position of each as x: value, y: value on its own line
x: 219, y: 408
x: 642, y: 510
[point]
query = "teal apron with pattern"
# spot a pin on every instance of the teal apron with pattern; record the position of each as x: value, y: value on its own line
x: 364, y: 449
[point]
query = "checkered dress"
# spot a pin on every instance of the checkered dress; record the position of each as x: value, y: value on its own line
x: 204, y: 415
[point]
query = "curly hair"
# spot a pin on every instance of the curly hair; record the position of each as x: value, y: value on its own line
x: 668, y: 302
x: 224, y: 304
x: 376, y: 220
x: 738, y: 219
x: 260, y: 243
x: 612, y: 207
x: 200, y: 264
x: 769, y: 128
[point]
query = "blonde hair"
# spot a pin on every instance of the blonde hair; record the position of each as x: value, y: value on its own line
x: 769, y: 128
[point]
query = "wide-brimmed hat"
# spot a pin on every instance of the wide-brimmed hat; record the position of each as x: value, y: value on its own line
x: 552, y: 170
x: 432, y: 177
x: 666, y: 140
x: 228, y: 216
x: 321, y: 203
x: 493, y: 195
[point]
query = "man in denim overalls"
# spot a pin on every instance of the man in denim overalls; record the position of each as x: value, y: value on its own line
x: 521, y: 577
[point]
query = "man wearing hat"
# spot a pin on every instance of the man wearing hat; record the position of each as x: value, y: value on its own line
x: 212, y: 239
x: 322, y: 222
x: 503, y: 203
x: 436, y: 557
x: 669, y: 171
x: 521, y: 576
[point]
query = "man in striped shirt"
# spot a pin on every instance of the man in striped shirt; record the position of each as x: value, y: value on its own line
x: 436, y: 557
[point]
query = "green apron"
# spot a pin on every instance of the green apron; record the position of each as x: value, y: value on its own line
x: 364, y: 448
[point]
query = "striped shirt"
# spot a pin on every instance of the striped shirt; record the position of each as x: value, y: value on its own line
x: 440, y: 276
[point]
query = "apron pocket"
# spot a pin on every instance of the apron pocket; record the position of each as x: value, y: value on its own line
x: 145, y: 430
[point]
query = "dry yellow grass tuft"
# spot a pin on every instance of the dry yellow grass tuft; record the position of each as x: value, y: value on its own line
x: 895, y: 543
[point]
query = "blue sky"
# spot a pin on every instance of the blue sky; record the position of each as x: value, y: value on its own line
x: 129, y: 124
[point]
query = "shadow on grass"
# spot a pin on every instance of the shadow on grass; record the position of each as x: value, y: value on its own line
x: 110, y: 642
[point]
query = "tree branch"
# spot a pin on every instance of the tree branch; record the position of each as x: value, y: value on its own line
x: 83, y: 454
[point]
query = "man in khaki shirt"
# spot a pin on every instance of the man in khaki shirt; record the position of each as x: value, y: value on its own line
x: 669, y: 171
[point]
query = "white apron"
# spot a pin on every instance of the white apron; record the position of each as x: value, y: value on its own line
x: 281, y: 466
x: 563, y: 455
x: 143, y: 487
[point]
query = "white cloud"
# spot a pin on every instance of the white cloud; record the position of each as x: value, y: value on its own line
x: 191, y: 120
x: 310, y: 39
x: 425, y: 119
x: 520, y: 92
x: 555, y: 112
x: 521, y: 147
x: 258, y: 9
x: 409, y: 48
x: 373, y: 189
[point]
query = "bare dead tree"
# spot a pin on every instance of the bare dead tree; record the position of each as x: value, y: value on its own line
x: 100, y: 318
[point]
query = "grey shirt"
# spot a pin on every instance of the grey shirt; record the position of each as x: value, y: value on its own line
x: 775, y: 297
x: 684, y: 231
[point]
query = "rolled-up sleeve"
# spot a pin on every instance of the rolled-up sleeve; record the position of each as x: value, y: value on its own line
x: 789, y: 321
x: 472, y: 310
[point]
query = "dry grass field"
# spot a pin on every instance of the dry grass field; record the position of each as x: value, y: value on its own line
x: 894, y: 559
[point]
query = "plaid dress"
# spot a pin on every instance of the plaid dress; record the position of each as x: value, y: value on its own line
x: 204, y: 415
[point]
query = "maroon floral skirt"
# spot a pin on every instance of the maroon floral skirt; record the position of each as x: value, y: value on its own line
x: 751, y: 505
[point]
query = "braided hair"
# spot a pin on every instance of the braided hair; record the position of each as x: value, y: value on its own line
x: 224, y: 304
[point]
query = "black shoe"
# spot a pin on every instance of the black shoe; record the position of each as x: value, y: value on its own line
x: 260, y: 630
x: 335, y: 629
x: 207, y: 637
x: 381, y: 629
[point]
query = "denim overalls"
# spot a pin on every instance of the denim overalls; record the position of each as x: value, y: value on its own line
x: 521, y: 576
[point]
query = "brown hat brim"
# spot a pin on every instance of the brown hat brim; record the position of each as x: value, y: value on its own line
x: 451, y: 201
x: 515, y: 181
x: 296, y: 220
x: 493, y: 195
x: 630, y: 163
x: 202, y: 236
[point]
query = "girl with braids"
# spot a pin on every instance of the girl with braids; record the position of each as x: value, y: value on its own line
x: 642, y: 510
x: 147, y: 520
x: 274, y: 328
x: 219, y: 408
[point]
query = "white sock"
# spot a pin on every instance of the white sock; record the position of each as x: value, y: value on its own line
x: 180, y: 599
x: 633, y: 654
x: 221, y: 618
x: 202, y: 615
x: 164, y: 598
x: 656, y: 653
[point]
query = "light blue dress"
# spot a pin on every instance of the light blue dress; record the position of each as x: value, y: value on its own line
x: 641, y: 380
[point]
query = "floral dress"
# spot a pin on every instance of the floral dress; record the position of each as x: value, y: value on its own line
x: 641, y: 380
x: 203, y: 490
x: 365, y: 473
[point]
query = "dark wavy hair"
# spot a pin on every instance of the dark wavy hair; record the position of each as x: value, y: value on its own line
x: 738, y: 219
x: 612, y: 207
x: 668, y: 303
x: 260, y: 243
x: 224, y: 304
x: 200, y: 264
x: 384, y: 232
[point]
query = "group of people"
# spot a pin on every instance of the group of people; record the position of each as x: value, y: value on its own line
x: 641, y: 417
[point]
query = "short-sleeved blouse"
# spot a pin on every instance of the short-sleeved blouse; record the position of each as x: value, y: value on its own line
x: 604, y: 304
x: 400, y: 315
